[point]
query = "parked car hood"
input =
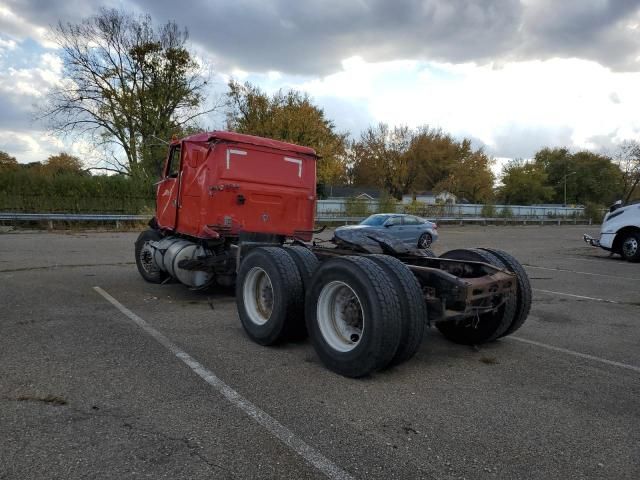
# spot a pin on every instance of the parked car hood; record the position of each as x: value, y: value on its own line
x: 355, y: 227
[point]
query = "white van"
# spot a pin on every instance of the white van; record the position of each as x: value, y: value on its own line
x: 620, y: 232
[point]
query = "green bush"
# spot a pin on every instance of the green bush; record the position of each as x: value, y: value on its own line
x: 387, y: 204
x: 593, y: 212
x: 24, y: 190
x: 357, y: 207
x: 506, y: 212
x: 488, y: 211
x: 415, y: 208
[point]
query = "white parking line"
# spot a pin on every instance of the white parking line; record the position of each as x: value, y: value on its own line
x: 282, y: 433
x: 582, y: 273
x: 582, y: 297
x: 577, y: 354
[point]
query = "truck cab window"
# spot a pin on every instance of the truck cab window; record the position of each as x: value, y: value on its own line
x: 173, y: 169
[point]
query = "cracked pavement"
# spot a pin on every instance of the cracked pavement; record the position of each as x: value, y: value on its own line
x: 85, y: 393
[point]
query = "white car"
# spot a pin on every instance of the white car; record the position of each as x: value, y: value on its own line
x: 620, y: 232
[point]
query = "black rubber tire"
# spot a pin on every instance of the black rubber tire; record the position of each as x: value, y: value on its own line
x: 154, y: 274
x: 524, y: 294
x: 381, y: 310
x: 634, y: 258
x: 489, y: 326
x: 413, y: 310
x: 286, y: 319
x: 306, y: 261
x: 421, y: 240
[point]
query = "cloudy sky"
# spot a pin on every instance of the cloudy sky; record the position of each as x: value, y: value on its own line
x: 513, y: 75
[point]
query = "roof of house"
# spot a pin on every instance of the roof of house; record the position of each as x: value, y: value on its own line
x: 347, y: 192
x: 430, y: 193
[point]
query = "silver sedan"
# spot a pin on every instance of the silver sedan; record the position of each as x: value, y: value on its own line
x: 409, y: 229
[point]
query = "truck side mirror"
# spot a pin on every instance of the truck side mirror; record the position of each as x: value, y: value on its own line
x: 616, y: 205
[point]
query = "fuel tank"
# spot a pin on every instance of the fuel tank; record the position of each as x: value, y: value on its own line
x: 170, y: 251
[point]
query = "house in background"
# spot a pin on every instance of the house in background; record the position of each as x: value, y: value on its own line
x: 370, y: 194
x: 430, y: 198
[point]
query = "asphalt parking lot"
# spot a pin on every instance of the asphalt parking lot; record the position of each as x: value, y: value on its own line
x: 85, y: 392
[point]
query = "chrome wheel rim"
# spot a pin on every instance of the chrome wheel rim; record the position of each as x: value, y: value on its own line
x: 258, y: 296
x: 146, y: 260
x: 340, y: 316
x: 425, y: 240
x: 630, y: 247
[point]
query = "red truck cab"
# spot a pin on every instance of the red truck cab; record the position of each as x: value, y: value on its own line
x: 222, y: 183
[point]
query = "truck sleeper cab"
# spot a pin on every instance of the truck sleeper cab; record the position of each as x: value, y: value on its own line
x: 226, y: 183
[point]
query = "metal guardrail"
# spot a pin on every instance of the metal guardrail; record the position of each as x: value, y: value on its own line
x: 91, y: 217
x: 523, y: 220
x: 70, y: 217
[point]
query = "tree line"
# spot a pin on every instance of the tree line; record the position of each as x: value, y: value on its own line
x: 556, y: 175
x: 401, y: 160
x: 130, y: 86
x: 62, y: 184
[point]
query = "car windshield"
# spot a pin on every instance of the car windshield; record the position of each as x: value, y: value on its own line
x: 374, y: 220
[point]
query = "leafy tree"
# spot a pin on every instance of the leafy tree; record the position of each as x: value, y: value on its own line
x: 597, y: 179
x: 63, y: 163
x: 436, y: 154
x: 7, y: 162
x: 126, y: 84
x: 470, y: 177
x: 292, y: 117
x: 589, y: 177
x: 401, y: 160
x: 628, y: 159
x: 524, y: 183
x: 381, y: 158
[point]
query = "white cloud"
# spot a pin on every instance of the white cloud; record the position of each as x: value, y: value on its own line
x: 34, y: 81
x: 18, y: 27
x: 37, y: 145
x: 542, y: 101
x: 512, y: 107
x: 21, y: 89
x: 6, y: 45
x: 28, y: 146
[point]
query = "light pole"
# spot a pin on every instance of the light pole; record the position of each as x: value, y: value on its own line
x: 565, y: 186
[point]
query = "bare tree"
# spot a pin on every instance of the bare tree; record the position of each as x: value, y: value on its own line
x: 126, y: 84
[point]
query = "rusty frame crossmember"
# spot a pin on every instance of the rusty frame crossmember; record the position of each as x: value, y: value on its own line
x: 453, y: 289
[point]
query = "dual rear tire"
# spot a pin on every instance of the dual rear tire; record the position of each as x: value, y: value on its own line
x: 503, y: 321
x: 270, y: 296
x: 353, y: 318
x: 362, y: 314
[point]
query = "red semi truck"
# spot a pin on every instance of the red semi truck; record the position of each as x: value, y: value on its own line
x: 239, y: 210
